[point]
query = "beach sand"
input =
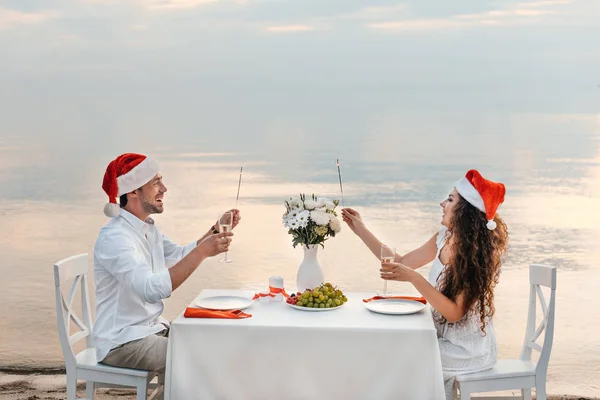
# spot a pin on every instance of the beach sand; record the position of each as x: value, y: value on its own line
x: 52, y: 387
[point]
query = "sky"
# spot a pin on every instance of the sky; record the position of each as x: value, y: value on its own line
x: 369, y: 41
x: 74, y: 71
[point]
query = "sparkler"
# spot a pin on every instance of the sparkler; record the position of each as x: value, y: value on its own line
x: 239, y: 184
x: 340, y: 176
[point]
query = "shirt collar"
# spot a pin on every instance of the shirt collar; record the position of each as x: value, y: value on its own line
x: 137, y: 223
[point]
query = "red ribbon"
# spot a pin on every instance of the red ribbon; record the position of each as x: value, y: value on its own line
x: 272, y: 293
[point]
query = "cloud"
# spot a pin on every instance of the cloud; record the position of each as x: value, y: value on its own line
x: 422, y: 24
x: 13, y: 18
x: 174, y: 4
x: 544, y: 3
x: 370, y: 13
x: 159, y: 4
x: 100, y: 1
x: 505, y: 14
x: 290, y: 28
x: 520, y: 14
x: 69, y: 37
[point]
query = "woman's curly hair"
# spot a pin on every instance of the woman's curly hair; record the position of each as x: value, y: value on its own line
x: 475, y: 265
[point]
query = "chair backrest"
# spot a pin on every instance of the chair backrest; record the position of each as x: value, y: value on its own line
x: 73, y: 267
x: 540, y: 276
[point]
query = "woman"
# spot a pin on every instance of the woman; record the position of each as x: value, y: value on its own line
x: 466, y: 255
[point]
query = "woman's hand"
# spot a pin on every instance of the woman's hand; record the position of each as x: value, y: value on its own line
x: 353, y: 219
x: 397, y: 272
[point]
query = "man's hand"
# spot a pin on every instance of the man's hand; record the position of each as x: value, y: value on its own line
x: 209, y: 246
x: 236, y: 219
x: 215, y: 244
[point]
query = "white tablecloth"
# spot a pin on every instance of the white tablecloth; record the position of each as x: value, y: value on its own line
x: 282, y: 353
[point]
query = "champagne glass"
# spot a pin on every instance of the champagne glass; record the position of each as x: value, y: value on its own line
x: 388, y: 254
x: 225, y: 225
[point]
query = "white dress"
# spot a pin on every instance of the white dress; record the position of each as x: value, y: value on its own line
x: 463, y: 347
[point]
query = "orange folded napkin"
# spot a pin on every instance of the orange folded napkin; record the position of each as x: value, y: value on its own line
x: 419, y: 299
x: 191, y: 312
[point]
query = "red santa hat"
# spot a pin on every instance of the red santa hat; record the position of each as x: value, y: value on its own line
x: 483, y: 194
x: 125, y: 174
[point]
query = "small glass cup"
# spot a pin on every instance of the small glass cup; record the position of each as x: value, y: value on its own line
x: 276, y: 282
x: 225, y: 225
x: 388, y: 255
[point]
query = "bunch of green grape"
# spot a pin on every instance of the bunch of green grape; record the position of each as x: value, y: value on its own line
x: 324, y: 296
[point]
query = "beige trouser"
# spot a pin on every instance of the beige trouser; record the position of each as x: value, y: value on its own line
x: 149, y: 353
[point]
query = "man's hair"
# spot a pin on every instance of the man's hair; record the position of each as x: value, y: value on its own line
x: 123, y: 198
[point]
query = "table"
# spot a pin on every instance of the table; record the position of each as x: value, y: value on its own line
x: 282, y: 353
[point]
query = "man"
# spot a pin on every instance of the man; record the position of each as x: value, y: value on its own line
x: 136, y: 267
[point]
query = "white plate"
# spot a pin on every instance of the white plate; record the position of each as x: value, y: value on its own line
x: 394, y: 306
x: 224, y: 303
x: 314, y: 309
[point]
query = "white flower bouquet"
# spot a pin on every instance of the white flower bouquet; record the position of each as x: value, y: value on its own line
x: 311, y: 221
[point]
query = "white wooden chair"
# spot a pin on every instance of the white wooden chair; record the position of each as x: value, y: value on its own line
x: 522, y: 373
x: 84, y: 365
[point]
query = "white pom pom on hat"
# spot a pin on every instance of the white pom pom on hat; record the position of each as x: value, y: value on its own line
x: 124, y: 174
x: 483, y: 194
x: 112, y: 210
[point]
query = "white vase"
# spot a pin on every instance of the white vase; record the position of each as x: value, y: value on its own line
x: 310, y: 274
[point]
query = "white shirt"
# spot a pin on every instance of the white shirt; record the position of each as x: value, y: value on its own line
x: 131, y: 261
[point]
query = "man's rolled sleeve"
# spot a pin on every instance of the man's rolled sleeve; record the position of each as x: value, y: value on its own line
x: 189, y: 247
x: 174, y: 252
x: 164, y: 286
